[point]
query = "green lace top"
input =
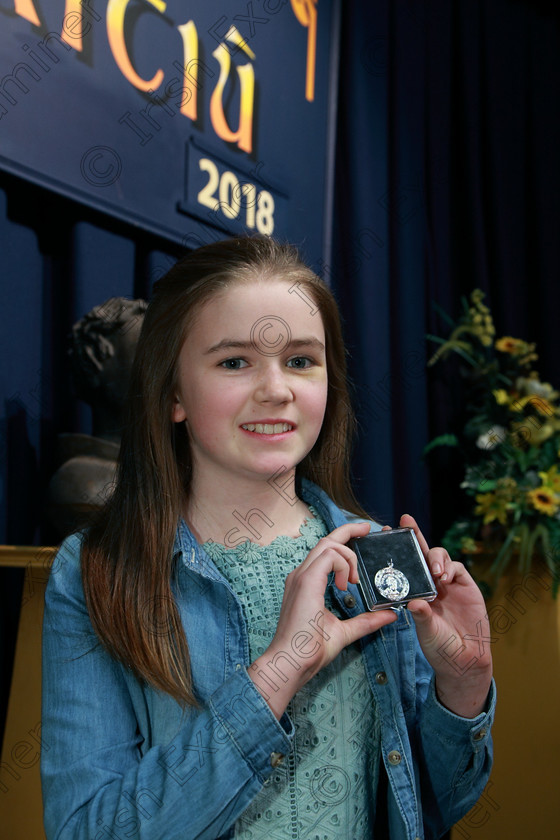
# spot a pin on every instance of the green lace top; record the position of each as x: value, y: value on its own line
x: 325, y: 787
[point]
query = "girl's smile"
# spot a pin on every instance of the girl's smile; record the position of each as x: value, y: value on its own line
x: 253, y: 402
x: 271, y: 428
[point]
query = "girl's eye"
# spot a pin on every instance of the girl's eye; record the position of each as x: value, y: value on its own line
x: 233, y: 364
x: 300, y: 362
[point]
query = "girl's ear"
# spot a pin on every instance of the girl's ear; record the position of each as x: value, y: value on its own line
x: 178, y: 412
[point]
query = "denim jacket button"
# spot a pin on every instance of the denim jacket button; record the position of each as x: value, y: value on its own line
x: 480, y: 735
x: 381, y: 678
x: 276, y: 758
x: 349, y: 601
x: 394, y: 757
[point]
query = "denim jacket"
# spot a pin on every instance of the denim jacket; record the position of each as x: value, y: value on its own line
x: 122, y: 760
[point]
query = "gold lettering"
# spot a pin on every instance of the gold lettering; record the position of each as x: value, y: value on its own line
x: 116, y: 11
x: 26, y: 9
x: 306, y: 13
x: 73, y: 26
x: 190, y: 53
x: 244, y: 134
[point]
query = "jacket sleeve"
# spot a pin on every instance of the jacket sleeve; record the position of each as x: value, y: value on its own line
x: 454, y: 753
x: 103, y: 773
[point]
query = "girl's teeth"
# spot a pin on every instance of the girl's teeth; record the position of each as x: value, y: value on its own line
x: 267, y: 428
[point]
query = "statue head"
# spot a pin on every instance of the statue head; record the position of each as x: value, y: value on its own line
x: 102, y: 347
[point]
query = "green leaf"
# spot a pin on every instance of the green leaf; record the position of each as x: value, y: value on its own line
x: 436, y: 338
x: 466, y: 356
x: 524, y: 548
x: 504, y: 555
x: 442, y: 440
x: 486, y: 486
x: 540, y: 532
x: 443, y: 314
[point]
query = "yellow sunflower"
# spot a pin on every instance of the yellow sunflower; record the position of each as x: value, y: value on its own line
x: 507, y: 344
x: 544, y: 500
x: 551, y: 479
x: 491, y: 507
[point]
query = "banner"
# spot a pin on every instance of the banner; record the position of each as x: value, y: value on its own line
x: 192, y: 119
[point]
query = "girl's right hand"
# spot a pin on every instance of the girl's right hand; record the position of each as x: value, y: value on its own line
x: 308, y: 635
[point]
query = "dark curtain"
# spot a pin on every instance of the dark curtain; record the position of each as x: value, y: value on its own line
x: 447, y: 180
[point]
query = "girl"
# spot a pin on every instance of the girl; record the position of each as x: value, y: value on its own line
x: 209, y: 671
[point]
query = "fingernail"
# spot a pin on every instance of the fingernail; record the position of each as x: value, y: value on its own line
x: 436, y: 569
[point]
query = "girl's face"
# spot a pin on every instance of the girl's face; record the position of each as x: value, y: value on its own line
x: 252, y: 382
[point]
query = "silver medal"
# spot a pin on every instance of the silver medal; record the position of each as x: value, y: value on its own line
x: 391, y: 583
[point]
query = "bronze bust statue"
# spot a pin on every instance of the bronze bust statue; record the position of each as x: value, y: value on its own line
x: 102, y: 347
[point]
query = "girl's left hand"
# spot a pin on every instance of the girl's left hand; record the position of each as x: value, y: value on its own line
x: 454, y: 632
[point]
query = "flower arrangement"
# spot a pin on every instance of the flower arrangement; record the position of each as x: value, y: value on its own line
x: 510, y: 444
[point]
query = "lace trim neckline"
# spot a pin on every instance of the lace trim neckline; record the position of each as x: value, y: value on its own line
x: 310, y: 532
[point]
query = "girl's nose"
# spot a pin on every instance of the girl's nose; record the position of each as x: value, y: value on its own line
x: 273, y: 386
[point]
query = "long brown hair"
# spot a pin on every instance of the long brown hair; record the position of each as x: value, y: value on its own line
x: 127, y: 554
